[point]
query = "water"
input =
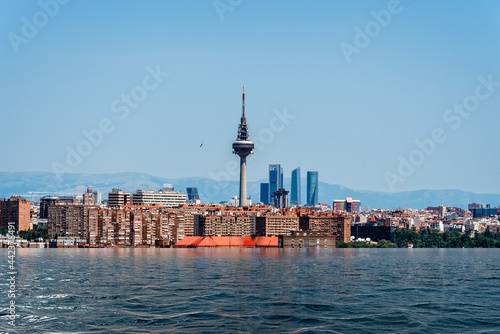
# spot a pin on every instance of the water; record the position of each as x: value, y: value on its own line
x: 255, y: 291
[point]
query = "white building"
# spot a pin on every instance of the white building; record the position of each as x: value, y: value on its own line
x: 167, y: 196
x: 437, y: 225
x: 235, y: 201
x: 97, y: 197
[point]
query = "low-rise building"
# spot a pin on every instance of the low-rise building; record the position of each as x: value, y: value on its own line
x: 306, y: 239
x: 347, y: 205
x: 117, y: 198
x: 166, y: 197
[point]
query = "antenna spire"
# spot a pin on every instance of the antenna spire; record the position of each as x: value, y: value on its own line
x: 243, y: 102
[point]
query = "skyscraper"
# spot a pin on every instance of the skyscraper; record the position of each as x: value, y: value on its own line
x: 296, y: 190
x: 192, y: 193
x: 264, y: 193
x: 312, y: 188
x: 243, y: 147
x: 281, y: 198
x: 275, y: 180
x: 193, y: 197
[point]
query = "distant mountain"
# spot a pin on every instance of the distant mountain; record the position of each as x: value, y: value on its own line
x: 41, y: 183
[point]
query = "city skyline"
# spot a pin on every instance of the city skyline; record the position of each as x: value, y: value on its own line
x: 386, y: 91
x: 131, y: 167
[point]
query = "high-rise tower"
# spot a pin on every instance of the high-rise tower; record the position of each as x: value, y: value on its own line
x: 243, y: 147
x: 312, y: 188
x: 275, y: 180
x: 296, y: 191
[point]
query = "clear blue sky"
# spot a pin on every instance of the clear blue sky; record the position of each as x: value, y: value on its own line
x: 352, y: 120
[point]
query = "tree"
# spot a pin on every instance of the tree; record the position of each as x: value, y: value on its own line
x: 35, y: 233
x: 427, y: 238
x: 385, y: 244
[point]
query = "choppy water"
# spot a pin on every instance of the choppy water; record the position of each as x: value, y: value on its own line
x: 255, y: 291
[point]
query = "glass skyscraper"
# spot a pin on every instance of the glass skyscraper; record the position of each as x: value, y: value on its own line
x: 275, y: 180
x: 192, y: 193
x: 296, y: 190
x: 264, y: 193
x: 312, y: 188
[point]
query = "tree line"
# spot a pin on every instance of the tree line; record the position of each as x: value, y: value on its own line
x: 35, y: 233
x: 432, y: 238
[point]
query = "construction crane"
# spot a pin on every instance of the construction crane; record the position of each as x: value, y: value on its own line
x: 32, y: 194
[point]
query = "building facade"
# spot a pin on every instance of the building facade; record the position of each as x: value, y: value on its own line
x: 15, y: 210
x: 336, y: 225
x: 281, y: 199
x: 306, y: 239
x: 275, y: 180
x: 223, y: 225
x: 167, y: 197
x: 68, y: 220
x: 118, y: 198
x: 264, y: 193
x: 347, y: 205
x: 274, y: 225
x: 89, y: 197
x: 44, y: 205
x: 192, y: 193
x: 484, y: 212
x: 145, y: 226
x: 295, y: 192
x: 108, y: 227
x: 312, y: 188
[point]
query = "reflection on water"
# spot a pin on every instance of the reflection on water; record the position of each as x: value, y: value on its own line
x: 255, y: 290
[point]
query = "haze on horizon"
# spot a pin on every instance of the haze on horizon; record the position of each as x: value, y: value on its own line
x: 344, y: 88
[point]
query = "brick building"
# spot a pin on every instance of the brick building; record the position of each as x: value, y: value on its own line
x: 336, y: 225
x: 223, y: 225
x: 274, y: 225
x: 69, y: 220
x: 15, y: 210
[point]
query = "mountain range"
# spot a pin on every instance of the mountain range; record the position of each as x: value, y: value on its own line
x: 37, y: 184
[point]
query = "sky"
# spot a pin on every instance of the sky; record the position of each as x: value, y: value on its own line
x: 374, y: 95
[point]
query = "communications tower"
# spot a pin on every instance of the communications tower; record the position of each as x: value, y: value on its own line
x: 243, y: 147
